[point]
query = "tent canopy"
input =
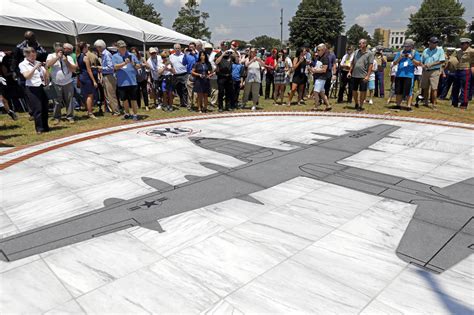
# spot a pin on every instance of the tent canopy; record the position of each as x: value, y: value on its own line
x: 81, y: 17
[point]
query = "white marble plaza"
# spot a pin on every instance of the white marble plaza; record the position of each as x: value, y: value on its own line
x: 310, y: 248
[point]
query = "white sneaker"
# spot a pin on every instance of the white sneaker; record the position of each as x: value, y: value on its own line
x: 254, y: 108
x: 158, y: 107
x: 371, y: 102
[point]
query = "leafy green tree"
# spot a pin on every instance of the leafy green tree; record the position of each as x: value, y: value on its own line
x: 377, y: 39
x: 356, y: 33
x: 143, y: 10
x: 192, y: 22
x: 316, y: 21
x: 441, y: 18
x: 265, y: 41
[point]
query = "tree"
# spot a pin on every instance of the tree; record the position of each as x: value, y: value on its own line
x: 192, y: 22
x: 143, y: 10
x: 377, y: 39
x: 356, y: 33
x: 265, y: 41
x: 441, y: 18
x: 316, y: 21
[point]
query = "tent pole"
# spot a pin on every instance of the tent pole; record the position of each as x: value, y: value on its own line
x: 144, y: 46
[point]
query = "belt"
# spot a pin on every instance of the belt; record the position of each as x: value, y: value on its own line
x: 432, y: 69
x: 180, y: 74
x: 106, y: 74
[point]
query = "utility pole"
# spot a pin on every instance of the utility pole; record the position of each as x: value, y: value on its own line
x: 281, y: 29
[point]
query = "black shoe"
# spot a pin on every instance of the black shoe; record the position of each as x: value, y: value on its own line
x: 409, y: 109
x: 356, y: 107
x: 360, y: 109
x: 13, y: 115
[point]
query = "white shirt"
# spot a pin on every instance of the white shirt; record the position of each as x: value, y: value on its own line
x: 167, y: 70
x: 177, y: 62
x: 60, y: 75
x: 418, y: 70
x: 347, y: 60
x: 374, y: 69
x: 38, y: 76
x: 155, y: 66
x: 393, y: 70
x: 253, y: 72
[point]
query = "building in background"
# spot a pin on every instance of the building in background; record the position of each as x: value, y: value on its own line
x: 397, y: 37
x: 385, y: 36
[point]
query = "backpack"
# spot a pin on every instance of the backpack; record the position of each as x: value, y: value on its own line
x: 224, y: 68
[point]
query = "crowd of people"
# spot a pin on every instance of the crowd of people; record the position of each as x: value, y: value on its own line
x: 119, y: 79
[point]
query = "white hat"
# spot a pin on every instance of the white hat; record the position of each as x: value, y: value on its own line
x: 208, y: 46
x: 152, y: 50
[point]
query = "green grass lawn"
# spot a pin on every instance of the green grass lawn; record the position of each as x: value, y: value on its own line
x: 22, y: 132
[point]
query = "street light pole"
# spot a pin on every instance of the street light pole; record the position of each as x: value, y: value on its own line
x: 281, y: 29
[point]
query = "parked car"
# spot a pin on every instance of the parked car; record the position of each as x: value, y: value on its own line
x: 389, y: 53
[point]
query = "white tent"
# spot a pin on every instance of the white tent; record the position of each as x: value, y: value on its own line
x: 81, y: 17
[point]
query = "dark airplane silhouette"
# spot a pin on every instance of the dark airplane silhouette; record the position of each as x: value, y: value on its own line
x: 439, y: 235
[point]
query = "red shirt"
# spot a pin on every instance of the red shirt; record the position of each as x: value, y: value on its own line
x: 270, y: 62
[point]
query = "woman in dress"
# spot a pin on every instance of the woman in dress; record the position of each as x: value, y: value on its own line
x: 299, y: 75
x: 280, y: 77
x: 202, y: 71
x: 88, y: 83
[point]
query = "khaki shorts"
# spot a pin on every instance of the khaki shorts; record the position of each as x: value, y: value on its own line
x: 430, y: 79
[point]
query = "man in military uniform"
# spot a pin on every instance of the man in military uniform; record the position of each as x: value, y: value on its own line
x: 449, y: 73
x: 464, y: 71
x: 380, y: 73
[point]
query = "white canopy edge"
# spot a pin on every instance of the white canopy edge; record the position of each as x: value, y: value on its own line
x: 68, y: 17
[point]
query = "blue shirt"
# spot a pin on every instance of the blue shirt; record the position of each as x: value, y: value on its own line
x: 332, y: 60
x: 236, y: 71
x: 107, y: 63
x: 189, y: 60
x: 432, y: 56
x: 406, y: 68
x: 127, y: 75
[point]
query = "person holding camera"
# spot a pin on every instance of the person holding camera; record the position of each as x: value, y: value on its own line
x: 254, y: 78
x: 224, y: 60
x: 166, y: 71
x: 62, y: 66
x: 36, y: 78
x: 126, y: 66
x: 407, y: 60
x: 433, y: 59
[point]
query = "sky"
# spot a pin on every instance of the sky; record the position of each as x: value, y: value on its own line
x: 247, y: 19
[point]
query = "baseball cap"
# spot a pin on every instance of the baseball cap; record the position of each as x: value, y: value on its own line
x: 121, y: 44
x: 225, y: 43
x: 434, y: 40
x: 465, y: 40
x: 235, y: 43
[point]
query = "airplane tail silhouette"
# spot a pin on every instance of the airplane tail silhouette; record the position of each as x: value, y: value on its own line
x: 441, y: 234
